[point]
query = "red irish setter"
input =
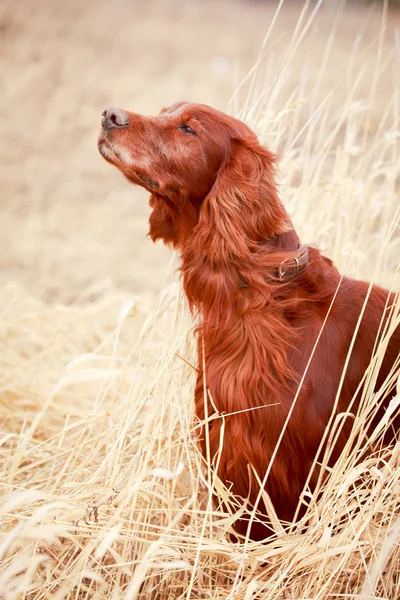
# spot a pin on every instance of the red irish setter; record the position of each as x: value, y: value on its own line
x: 266, y: 302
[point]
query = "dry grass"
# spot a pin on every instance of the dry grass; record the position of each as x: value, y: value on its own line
x: 104, y: 492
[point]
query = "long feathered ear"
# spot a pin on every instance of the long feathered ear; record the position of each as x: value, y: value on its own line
x: 235, y: 237
x: 242, y: 208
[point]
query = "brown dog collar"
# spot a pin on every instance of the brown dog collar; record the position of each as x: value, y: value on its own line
x: 288, y: 269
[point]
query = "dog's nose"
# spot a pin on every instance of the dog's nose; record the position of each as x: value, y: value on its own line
x: 114, y: 117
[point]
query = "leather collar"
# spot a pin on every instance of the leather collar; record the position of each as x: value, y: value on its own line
x: 289, y: 269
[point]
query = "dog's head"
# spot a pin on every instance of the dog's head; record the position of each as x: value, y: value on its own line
x: 202, y: 167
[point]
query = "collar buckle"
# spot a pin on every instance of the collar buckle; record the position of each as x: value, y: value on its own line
x: 290, y: 268
x: 281, y: 269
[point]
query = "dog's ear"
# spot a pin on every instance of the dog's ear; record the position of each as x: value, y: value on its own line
x: 238, y: 222
x: 242, y: 208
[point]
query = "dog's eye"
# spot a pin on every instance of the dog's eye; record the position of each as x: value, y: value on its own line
x: 187, y: 129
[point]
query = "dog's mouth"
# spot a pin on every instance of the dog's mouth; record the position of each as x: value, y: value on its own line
x: 109, y: 152
x: 115, y: 156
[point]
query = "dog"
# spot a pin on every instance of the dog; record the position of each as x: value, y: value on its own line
x: 277, y: 319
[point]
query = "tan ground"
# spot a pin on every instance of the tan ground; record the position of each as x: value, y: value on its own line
x: 68, y: 221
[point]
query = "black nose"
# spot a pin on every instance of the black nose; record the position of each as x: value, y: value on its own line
x: 114, y: 117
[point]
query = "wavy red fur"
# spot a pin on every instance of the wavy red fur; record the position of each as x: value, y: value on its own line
x: 215, y: 200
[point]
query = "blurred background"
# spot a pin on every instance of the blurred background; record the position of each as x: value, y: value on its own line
x: 71, y: 226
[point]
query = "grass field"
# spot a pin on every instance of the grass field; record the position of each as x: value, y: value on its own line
x: 103, y: 492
